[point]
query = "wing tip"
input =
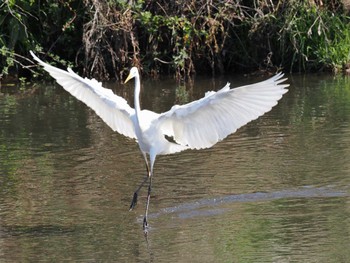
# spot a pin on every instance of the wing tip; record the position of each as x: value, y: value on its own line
x: 35, y: 57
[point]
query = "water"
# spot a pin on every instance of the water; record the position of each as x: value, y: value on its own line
x: 275, y: 191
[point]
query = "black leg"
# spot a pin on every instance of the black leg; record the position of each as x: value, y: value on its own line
x: 145, y: 223
x: 136, y: 193
x: 134, y: 198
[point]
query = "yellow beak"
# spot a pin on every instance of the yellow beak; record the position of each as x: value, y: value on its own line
x: 128, y: 78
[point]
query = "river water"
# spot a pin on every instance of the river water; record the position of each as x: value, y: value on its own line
x: 275, y: 191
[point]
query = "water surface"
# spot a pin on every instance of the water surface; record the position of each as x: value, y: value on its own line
x: 275, y: 191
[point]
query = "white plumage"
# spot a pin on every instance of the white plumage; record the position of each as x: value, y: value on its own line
x: 196, y: 125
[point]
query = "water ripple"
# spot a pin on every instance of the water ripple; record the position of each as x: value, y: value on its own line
x: 191, y: 209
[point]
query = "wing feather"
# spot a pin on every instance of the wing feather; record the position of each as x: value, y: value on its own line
x: 202, y: 123
x: 113, y: 110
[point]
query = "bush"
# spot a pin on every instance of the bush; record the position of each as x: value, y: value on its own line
x: 180, y: 37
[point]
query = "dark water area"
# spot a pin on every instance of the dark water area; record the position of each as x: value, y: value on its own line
x: 275, y: 191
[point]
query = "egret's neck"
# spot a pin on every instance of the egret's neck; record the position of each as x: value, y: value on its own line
x: 137, y: 96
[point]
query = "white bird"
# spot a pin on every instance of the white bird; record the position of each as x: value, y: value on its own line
x: 196, y: 125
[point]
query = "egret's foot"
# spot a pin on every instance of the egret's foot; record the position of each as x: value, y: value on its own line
x: 133, y: 202
x: 145, y: 224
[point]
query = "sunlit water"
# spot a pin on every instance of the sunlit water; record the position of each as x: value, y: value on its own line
x: 275, y: 191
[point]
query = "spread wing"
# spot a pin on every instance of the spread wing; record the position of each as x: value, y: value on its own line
x: 202, y: 123
x: 112, y: 109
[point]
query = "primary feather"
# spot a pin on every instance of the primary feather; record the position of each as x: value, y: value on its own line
x: 204, y: 122
x: 113, y: 110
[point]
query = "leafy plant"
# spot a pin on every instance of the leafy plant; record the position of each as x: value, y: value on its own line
x: 181, y: 37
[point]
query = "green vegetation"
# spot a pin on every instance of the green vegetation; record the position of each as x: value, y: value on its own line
x: 314, y: 38
x: 182, y: 37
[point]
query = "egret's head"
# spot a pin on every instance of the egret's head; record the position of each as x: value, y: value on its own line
x: 133, y: 73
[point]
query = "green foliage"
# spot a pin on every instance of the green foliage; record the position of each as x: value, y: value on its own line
x: 36, y: 25
x: 306, y: 37
x: 187, y: 37
x: 180, y: 37
x: 334, y: 50
x: 318, y: 37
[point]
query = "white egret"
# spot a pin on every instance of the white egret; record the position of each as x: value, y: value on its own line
x: 196, y: 125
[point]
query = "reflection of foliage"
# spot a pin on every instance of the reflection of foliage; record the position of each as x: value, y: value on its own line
x: 24, y: 118
x: 330, y: 102
x: 9, y: 148
x: 182, y: 95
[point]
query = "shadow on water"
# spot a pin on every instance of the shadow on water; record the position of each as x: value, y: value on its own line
x: 212, y: 205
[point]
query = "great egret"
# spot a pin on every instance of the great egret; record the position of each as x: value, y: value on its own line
x: 196, y: 125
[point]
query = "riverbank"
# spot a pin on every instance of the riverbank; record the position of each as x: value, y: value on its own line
x: 103, y: 40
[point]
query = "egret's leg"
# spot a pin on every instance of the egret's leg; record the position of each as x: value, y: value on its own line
x: 134, y: 198
x: 145, y: 223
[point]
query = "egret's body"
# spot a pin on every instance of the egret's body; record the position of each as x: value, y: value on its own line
x: 196, y: 125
